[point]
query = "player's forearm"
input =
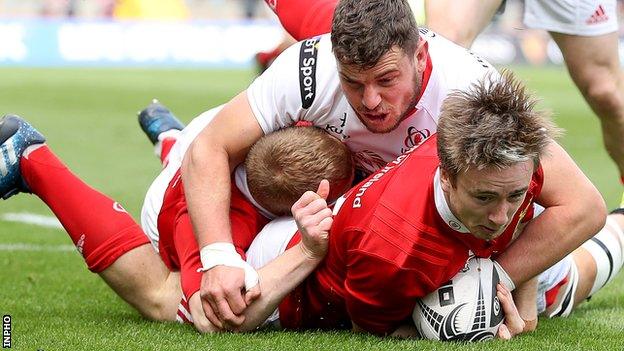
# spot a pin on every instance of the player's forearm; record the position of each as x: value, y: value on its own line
x: 206, y: 177
x: 548, y: 238
x: 277, y: 279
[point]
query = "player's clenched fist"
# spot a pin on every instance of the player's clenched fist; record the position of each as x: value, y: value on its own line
x: 314, y: 218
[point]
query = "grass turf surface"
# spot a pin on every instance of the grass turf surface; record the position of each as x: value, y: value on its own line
x: 89, y: 119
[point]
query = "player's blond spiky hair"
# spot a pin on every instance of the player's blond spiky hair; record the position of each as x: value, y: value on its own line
x: 492, y: 124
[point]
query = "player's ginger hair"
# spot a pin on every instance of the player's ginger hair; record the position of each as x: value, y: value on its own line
x: 492, y: 124
x: 364, y: 30
x: 282, y: 165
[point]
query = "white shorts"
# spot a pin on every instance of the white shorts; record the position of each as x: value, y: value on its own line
x: 575, y: 17
x: 550, y: 279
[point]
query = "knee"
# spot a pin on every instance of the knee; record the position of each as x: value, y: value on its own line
x: 604, y: 96
x: 156, y: 309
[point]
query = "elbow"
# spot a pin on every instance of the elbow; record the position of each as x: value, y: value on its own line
x: 530, y: 326
x: 592, y: 214
x: 599, y: 212
x: 198, y: 155
x: 191, y: 157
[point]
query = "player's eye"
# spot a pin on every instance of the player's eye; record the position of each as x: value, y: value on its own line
x: 516, y: 197
x: 387, y: 81
x: 352, y: 83
x: 483, y: 198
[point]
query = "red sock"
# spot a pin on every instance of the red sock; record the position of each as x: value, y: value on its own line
x: 166, y: 145
x: 305, y: 18
x: 99, y: 227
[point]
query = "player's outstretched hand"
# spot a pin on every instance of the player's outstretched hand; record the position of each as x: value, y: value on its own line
x: 314, y: 218
x: 222, y: 296
x: 514, y: 324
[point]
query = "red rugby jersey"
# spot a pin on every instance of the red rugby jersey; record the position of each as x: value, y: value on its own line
x: 389, y: 246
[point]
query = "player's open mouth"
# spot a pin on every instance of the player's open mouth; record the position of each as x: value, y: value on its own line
x: 375, y: 116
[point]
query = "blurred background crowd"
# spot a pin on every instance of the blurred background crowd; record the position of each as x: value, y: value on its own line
x: 192, y: 10
x: 136, y: 9
x: 202, y: 33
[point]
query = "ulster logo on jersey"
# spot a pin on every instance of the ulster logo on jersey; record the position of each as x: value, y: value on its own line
x: 415, y: 137
x: 307, y: 71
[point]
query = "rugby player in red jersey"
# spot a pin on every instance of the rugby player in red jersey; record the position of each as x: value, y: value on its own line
x: 411, y: 226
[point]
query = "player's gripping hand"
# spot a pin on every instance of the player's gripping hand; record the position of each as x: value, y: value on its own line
x: 228, y: 285
x: 201, y: 323
x: 314, y: 218
x: 514, y: 324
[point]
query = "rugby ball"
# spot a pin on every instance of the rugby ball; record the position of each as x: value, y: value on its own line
x: 465, y: 308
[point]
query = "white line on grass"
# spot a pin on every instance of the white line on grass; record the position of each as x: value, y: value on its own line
x: 31, y: 218
x: 34, y: 247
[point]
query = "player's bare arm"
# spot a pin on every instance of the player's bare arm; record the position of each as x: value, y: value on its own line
x: 206, y: 170
x: 277, y: 279
x: 575, y: 211
x: 288, y: 270
x: 280, y: 277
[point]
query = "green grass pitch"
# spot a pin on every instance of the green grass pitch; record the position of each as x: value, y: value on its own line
x: 89, y: 119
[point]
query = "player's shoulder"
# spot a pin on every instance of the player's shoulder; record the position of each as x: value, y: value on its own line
x: 311, y: 65
x: 453, y: 61
x: 301, y: 84
x: 307, y: 58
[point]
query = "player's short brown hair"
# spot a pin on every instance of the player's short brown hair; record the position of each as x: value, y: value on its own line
x: 494, y: 123
x: 364, y: 30
x: 282, y: 165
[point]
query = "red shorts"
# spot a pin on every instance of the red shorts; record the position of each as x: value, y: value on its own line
x: 177, y: 245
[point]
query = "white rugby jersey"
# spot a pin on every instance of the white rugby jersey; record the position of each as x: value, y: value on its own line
x: 303, y: 84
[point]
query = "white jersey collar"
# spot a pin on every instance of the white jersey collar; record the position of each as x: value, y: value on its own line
x: 443, y: 207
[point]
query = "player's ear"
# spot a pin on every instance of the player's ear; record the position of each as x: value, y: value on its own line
x: 420, y: 55
x: 445, y: 180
